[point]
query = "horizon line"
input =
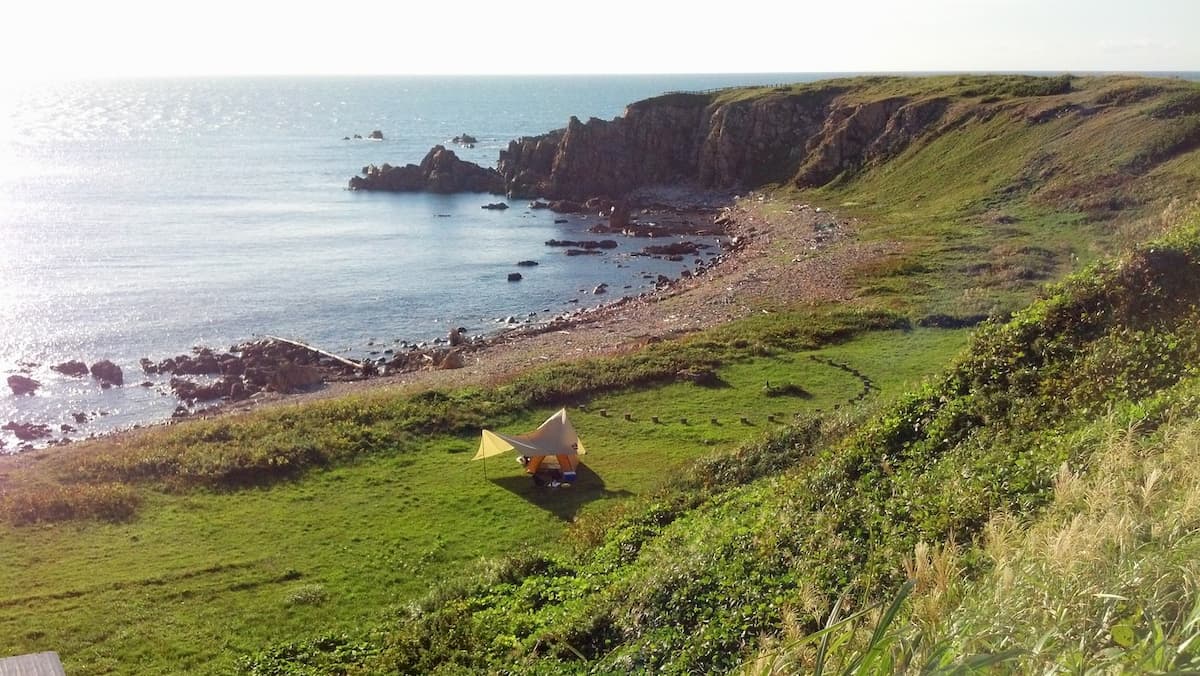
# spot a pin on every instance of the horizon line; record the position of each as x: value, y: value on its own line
x: 833, y: 73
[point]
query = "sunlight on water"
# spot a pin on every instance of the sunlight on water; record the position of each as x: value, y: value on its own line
x: 141, y: 218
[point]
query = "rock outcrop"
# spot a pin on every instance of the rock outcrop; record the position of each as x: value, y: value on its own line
x: 72, y: 367
x: 808, y: 137
x: 441, y: 171
x: 27, y: 431
x: 21, y: 385
x: 107, y: 373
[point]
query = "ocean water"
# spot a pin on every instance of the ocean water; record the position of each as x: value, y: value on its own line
x: 142, y: 218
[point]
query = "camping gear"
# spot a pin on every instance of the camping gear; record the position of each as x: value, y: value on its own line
x: 552, y: 445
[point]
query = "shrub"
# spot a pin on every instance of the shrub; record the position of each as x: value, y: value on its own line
x: 23, y: 505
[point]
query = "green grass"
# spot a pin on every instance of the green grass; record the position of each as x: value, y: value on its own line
x: 206, y: 567
x: 690, y: 577
x: 357, y: 531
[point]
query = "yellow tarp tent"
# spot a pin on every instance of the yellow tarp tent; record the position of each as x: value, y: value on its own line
x: 554, y: 438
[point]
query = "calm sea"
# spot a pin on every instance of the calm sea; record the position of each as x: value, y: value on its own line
x: 141, y: 218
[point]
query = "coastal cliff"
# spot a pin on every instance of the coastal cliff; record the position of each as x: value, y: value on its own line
x: 814, y: 134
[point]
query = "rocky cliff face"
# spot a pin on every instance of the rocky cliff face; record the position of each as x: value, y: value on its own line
x: 807, y: 138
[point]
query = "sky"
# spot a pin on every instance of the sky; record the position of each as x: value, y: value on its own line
x: 136, y: 38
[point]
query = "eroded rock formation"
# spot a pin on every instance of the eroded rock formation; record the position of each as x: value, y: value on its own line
x: 712, y: 141
x: 808, y: 138
x: 441, y: 171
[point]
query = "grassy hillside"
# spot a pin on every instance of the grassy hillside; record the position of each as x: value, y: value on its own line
x: 206, y: 558
x: 355, y: 536
x: 691, y: 578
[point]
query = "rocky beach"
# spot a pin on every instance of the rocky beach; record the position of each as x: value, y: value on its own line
x: 663, y: 179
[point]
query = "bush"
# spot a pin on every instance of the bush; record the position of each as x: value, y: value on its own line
x: 49, y: 503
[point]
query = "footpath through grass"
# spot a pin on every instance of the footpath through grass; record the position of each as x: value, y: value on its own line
x: 200, y: 577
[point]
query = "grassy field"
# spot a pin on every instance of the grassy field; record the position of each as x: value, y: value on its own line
x: 358, y: 532
x: 202, y: 577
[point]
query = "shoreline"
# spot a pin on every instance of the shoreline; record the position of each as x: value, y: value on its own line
x: 817, y: 245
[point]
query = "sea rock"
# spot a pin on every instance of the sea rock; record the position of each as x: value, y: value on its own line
x: 441, y: 171
x: 673, y: 249
x: 465, y: 140
x: 539, y: 205
x: 193, y: 391
x: 107, y: 372
x: 583, y: 252
x: 22, y: 384
x: 600, y: 288
x: 584, y: 244
x: 80, y: 416
x: 498, y: 206
x: 515, y: 277
x: 27, y: 431
x: 376, y: 135
x: 72, y: 367
x: 294, y: 377
x: 527, y: 264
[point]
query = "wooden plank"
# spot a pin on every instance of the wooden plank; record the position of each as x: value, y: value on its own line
x: 36, y: 664
x: 347, y: 362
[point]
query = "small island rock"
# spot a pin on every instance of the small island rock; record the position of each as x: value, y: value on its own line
x: 107, y: 372
x: 22, y: 384
x: 72, y: 367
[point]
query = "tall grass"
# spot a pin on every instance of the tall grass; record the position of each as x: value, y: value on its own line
x: 1106, y: 580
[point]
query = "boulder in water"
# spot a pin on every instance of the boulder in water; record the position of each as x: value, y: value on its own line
x: 107, y: 372
x: 22, y: 384
x: 72, y: 367
x: 27, y: 431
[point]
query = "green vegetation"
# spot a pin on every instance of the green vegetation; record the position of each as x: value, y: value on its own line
x: 321, y: 556
x: 690, y: 577
x: 1030, y: 505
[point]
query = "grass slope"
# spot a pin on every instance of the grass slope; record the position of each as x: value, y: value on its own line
x: 202, y: 576
x: 691, y: 578
x: 316, y: 529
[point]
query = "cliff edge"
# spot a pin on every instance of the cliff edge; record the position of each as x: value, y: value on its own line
x: 813, y: 134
